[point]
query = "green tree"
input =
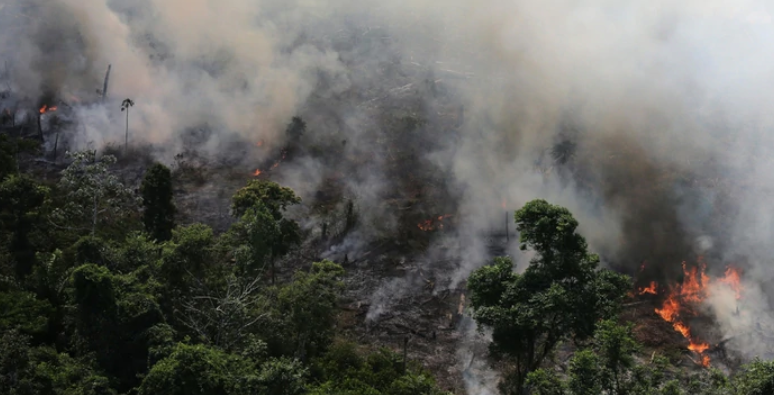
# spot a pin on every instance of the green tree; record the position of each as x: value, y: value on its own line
x: 561, y: 294
x: 27, y: 370
x: 304, y: 315
x: 157, y: 201
x: 10, y: 148
x: 113, y: 317
x: 345, y: 370
x: 22, y: 209
x: 545, y: 382
x: 755, y: 378
x: 24, y: 312
x: 616, y: 348
x: 585, y: 375
x: 267, y: 197
x: 253, y: 239
x: 91, y: 194
x: 203, y: 370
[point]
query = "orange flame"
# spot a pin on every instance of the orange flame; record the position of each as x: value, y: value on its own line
x: 651, y: 289
x: 259, y: 144
x: 693, y: 290
x: 682, y: 299
x: 257, y: 173
x: 46, y: 109
x: 732, y: 279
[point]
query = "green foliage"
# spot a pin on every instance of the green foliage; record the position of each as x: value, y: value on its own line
x: 545, y: 382
x: 198, y: 369
x: 256, y: 204
x: 27, y: 370
x: 345, y: 370
x: 757, y: 378
x: 253, y: 238
x: 282, y: 376
x: 267, y: 193
x: 560, y: 295
x: 157, y: 201
x: 91, y: 195
x: 305, y: 309
x: 22, y: 208
x: 22, y: 311
x: 10, y: 148
x: 616, y: 348
x: 114, y: 315
x: 585, y: 375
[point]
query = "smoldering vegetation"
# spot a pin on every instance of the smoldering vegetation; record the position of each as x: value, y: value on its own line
x: 649, y: 120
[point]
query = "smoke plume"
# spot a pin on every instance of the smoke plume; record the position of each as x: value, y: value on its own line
x: 649, y: 120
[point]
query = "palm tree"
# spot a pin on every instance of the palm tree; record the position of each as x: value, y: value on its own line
x: 125, y: 106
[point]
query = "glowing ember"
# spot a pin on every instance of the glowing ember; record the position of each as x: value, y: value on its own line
x: 432, y: 224
x: 46, y: 109
x: 651, y: 289
x: 259, y: 144
x: 257, y: 173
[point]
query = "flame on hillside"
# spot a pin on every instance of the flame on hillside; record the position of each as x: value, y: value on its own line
x: 682, y: 300
x: 276, y: 164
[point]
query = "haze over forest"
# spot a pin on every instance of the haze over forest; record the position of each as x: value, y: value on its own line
x: 650, y: 121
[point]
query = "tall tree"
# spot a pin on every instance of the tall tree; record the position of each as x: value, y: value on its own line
x: 157, y: 201
x: 91, y: 193
x: 260, y: 201
x: 125, y: 105
x: 22, y: 202
x: 560, y: 295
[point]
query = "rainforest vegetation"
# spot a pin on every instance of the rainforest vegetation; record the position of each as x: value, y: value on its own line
x: 103, y: 292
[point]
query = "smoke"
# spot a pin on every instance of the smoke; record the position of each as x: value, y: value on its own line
x: 649, y: 119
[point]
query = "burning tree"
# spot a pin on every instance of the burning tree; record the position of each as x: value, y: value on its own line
x: 561, y: 294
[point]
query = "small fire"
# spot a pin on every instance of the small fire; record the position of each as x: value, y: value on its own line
x: 651, y: 289
x: 682, y: 299
x: 433, y: 223
x: 46, y: 109
x: 503, y: 204
x: 276, y: 164
x: 259, y: 144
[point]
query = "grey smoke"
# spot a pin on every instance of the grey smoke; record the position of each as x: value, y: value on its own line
x: 664, y: 108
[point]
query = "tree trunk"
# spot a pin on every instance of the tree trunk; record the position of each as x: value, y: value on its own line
x: 126, y: 138
x: 94, y: 216
x: 272, y: 269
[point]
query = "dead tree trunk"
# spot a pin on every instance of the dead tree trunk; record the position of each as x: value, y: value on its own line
x: 105, y: 84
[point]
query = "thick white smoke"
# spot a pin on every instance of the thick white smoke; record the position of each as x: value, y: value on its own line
x: 666, y: 104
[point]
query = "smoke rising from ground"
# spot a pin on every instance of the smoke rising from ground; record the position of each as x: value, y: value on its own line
x: 649, y: 120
